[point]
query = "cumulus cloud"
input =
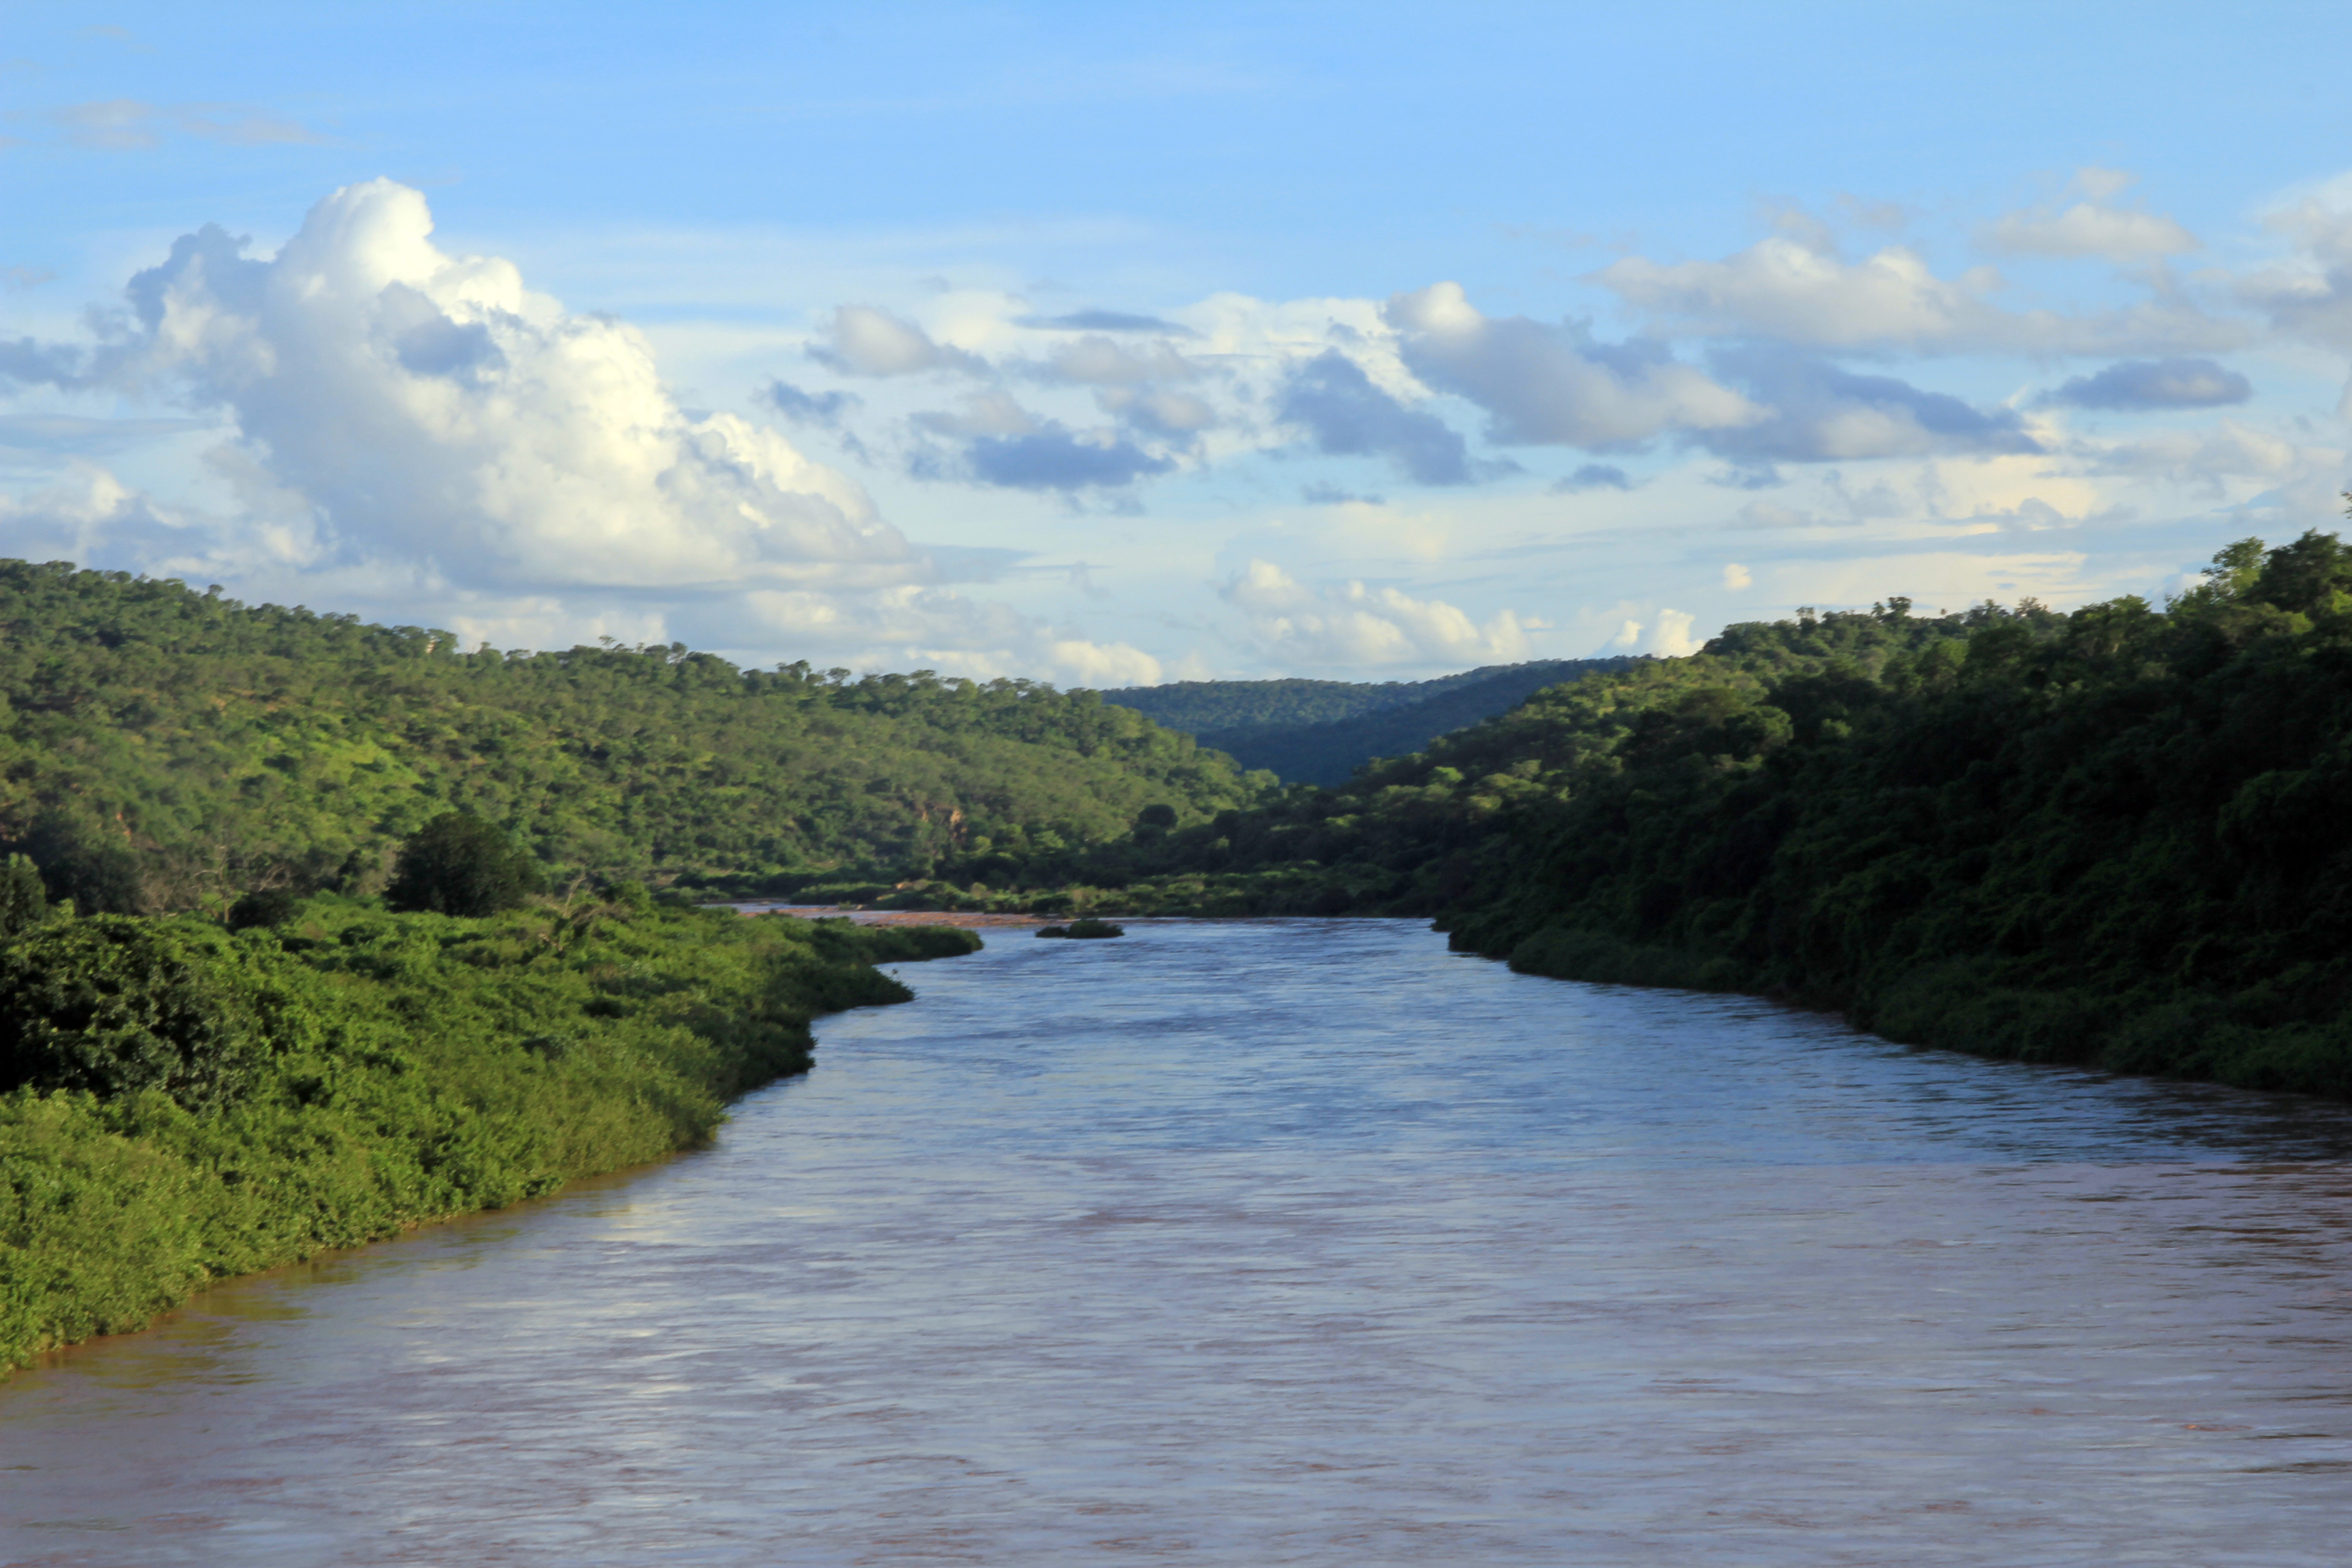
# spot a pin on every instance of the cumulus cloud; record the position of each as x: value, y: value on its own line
x: 2308, y: 295
x: 1817, y: 411
x: 1547, y: 385
x: 1095, y: 360
x: 2139, y: 385
x: 2087, y: 229
x: 1797, y: 293
x: 88, y: 512
x: 2304, y: 477
x: 412, y: 425
x: 2091, y: 228
x: 429, y: 405
x: 1665, y: 633
x: 1333, y: 400
x: 1355, y: 625
x: 822, y: 409
x: 864, y: 340
x: 1001, y: 443
x: 1173, y: 416
x: 1052, y: 458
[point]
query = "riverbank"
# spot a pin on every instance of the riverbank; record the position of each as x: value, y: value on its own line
x: 193, y: 1105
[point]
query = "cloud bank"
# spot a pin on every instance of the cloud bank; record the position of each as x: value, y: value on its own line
x: 418, y: 418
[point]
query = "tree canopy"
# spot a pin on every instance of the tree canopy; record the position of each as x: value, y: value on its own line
x: 166, y: 749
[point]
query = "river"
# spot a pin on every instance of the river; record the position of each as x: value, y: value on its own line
x: 1290, y: 1242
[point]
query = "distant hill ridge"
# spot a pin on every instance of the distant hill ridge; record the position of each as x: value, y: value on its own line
x: 1320, y: 732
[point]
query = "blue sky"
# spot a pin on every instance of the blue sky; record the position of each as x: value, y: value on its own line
x: 1108, y: 345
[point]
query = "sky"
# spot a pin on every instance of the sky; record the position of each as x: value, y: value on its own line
x: 1112, y: 345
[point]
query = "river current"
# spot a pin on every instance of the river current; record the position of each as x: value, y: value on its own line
x: 1290, y: 1242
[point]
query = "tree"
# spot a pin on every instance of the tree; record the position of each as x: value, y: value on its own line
x: 460, y: 865
x: 24, y: 902
x: 263, y: 907
x: 114, y: 1003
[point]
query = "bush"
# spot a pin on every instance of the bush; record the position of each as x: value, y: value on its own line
x: 402, y: 1067
x: 1089, y: 927
x: 97, y: 871
x: 24, y: 902
x: 269, y: 907
x: 460, y: 865
x: 114, y: 1003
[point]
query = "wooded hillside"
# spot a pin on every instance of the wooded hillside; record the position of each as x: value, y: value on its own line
x: 162, y: 749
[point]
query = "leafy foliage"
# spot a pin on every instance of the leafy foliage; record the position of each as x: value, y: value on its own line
x: 190, y: 1104
x: 460, y: 865
x: 162, y: 749
x: 23, y: 899
x: 2121, y: 836
x: 114, y: 1003
x: 1328, y: 752
x: 1202, y: 707
x: 1088, y: 928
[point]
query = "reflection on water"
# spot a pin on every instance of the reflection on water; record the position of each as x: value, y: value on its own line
x: 1290, y: 1243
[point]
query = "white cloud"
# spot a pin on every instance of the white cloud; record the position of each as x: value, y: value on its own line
x: 1665, y: 633
x: 1781, y: 288
x: 419, y: 427
x: 1093, y: 664
x: 870, y: 342
x: 1097, y: 360
x: 1735, y: 576
x: 2091, y: 228
x: 429, y: 405
x: 1355, y: 625
x: 1541, y: 384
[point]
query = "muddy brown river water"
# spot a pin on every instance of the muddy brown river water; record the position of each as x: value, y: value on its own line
x: 1290, y: 1242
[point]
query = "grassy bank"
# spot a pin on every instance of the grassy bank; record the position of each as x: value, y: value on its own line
x: 191, y: 1104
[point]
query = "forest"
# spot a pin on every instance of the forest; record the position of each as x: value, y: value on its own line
x: 1329, y: 751
x: 2120, y: 837
x: 162, y: 749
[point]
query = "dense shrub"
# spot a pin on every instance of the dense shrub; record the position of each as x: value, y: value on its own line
x: 192, y: 1104
x: 23, y: 899
x: 460, y: 865
x: 264, y: 907
x: 114, y: 1003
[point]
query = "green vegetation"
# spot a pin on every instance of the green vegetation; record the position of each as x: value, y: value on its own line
x: 1319, y: 731
x: 1195, y: 707
x: 183, y: 1103
x: 1327, y: 753
x: 2121, y: 836
x: 165, y: 750
x: 1083, y: 929
x: 454, y: 865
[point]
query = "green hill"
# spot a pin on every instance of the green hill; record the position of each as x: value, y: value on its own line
x: 1328, y: 752
x: 1319, y: 731
x: 162, y: 749
x: 1198, y: 707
